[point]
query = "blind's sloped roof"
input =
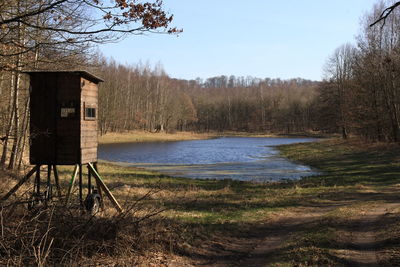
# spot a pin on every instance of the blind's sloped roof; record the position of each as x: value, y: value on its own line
x: 82, y: 73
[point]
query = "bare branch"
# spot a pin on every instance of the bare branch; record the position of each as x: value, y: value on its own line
x: 385, y: 13
x: 32, y: 13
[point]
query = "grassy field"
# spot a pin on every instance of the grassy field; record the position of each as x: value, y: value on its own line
x: 224, y: 217
x: 141, y: 136
x: 312, y: 222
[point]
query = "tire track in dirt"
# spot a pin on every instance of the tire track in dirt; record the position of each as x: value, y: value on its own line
x: 278, y: 233
x: 362, y: 240
x: 359, y: 246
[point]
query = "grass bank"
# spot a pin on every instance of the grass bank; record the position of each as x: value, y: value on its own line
x: 314, y: 221
x: 143, y: 136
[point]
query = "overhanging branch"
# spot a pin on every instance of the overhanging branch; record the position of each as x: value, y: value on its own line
x: 32, y: 13
x: 385, y: 13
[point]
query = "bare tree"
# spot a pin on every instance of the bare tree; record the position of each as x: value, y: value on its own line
x: 54, y: 34
x: 340, y: 71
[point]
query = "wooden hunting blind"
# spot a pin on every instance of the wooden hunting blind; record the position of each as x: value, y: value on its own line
x: 63, y: 121
x: 63, y: 131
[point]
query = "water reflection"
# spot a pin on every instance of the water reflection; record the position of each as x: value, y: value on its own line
x: 239, y: 158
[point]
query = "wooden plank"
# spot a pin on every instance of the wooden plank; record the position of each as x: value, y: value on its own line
x: 105, y: 188
x: 80, y: 185
x: 89, y: 141
x: 89, y: 133
x: 57, y: 180
x: 88, y: 160
x: 92, y: 154
x: 89, y: 150
x: 89, y: 125
x: 89, y: 155
x: 89, y: 130
x: 99, y: 186
x: 92, y: 133
x: 89, y: 145
x: 71, y: 184
x: 87, y: 94
x: 86, y: 151
x: 38, y: 179
x: 19, y: 184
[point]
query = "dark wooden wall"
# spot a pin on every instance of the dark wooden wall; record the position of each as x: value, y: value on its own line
x: 68, y: 129
x: 57, y: 140
x: 43, y: 107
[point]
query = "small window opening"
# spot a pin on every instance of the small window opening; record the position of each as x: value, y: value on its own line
x: 90, y: 113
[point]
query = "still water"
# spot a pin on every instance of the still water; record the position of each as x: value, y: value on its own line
x: 238, y: 158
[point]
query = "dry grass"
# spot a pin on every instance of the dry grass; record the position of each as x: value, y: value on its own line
x: 57, y: 236
x: 141, y: 136
x: 207, y: 221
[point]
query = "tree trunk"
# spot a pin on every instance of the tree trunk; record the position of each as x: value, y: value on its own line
x: 24, y: 134
x: 17, y: 78
x: 9, y: 125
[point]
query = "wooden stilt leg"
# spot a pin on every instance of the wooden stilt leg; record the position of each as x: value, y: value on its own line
x: 56, y: 179
x: 48, y: 189
x: 80, y: 185
x: 19, y: 184
x: 38, y: 180
x: 89, y: 181
x: 48, y: 175
x: 71, y: 184
x: 99, y: 187
x: 105, y: 188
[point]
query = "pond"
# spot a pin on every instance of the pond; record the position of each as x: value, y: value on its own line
x: 238, y: 158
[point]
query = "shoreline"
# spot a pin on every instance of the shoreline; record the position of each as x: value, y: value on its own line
x: 144, y: 137
x: 260, y: 164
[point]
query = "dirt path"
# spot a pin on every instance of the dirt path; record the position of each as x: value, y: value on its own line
x: 355, y: 241
x: 359, y: 246
x: 361, y: 238
x: 279, y: 233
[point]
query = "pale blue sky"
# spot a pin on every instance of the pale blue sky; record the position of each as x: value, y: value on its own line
x: 261, y: 38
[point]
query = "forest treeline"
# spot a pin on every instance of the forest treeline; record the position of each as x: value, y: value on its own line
x: 360, y: 93
x: 147, y: 99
